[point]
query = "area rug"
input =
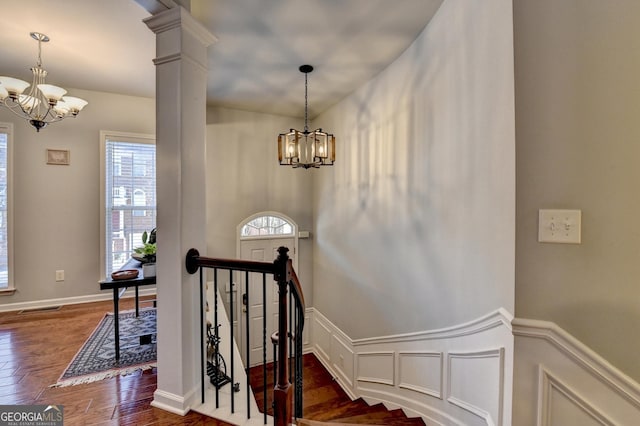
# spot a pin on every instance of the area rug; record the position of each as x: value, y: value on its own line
x: 96, y: 359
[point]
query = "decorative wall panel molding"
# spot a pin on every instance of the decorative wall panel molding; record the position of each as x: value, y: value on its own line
x: 376, y: 367
x: 322, y: 340
x: 343, y: 358
x: 409, y: 371
x: 579, y: 354
x: 556, y: 397
x: 421, y: 372
x: 475, y: 383
x: 559, y: 380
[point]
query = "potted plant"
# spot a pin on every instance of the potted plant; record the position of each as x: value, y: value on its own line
x: 146, y: 254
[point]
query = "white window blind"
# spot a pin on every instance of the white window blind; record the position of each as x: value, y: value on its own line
x: 4, y: 209
x: 130, y: 197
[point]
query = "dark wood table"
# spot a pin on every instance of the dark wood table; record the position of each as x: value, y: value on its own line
x: 119, y: 287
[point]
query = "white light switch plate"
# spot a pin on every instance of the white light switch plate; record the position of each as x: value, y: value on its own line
x: 559, y: 226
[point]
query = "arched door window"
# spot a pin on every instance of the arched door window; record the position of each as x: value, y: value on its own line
x: 267, y: 226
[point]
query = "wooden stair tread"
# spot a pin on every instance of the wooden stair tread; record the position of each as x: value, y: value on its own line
x: 326, y: 403
x: 306, y: 422
x: 366, y: 416
x: 332, y: 409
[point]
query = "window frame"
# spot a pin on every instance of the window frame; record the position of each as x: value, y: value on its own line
x: 128, y: 137
x: 10, y: 289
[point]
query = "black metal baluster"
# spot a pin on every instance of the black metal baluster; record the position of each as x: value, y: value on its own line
x: 290, y: 335
x: 231, y: 316
x: 245, y: 303
x: 202, y: 339
x: 264, y: 344
x: 215, y: 331
x: 299, y: 376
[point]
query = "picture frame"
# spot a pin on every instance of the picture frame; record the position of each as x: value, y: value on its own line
x: 58, y: 157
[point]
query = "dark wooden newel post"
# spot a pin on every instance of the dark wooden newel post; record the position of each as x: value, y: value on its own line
x: 283, y: 391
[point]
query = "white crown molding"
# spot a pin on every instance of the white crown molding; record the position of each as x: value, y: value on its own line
x: 593, y: 363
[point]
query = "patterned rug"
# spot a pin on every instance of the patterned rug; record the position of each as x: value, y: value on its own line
x: 96, y: 359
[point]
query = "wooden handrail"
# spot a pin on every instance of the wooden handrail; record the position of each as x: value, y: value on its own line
x: 296, y: 288
x: 234, y: 264
x: 287, y: 280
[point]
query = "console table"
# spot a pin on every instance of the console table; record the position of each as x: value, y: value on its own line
x: 119, y: 287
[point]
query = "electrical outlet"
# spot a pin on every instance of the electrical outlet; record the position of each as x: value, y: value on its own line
x: 60, y: 275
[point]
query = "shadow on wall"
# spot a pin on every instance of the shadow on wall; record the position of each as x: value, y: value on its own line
x: 407, y: 216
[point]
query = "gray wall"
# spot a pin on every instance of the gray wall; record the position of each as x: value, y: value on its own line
x: 415, y: 223
x: 56, y: 208
x: 243, y: 178
x: 577, y: 127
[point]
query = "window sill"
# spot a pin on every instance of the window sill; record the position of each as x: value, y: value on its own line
x: 7, y: 291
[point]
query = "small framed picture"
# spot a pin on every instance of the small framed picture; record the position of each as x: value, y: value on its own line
x: 58, y: 157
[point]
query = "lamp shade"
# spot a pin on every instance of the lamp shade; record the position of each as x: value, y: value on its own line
x: 75, y: 104
x: 3, y: 93
x: 51, y: 92
x: 61, y: 109
x: 14, y: 86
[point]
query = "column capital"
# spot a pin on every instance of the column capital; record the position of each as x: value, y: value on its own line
x: 179, y: 17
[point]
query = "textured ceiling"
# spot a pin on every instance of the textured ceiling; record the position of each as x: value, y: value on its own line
x: 104, y: 45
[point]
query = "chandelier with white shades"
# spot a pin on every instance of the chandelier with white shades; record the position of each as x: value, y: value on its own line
x: 43, y: 103
x: 306, y: 149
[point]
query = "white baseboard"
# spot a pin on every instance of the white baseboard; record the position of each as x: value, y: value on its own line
x: 170, y: 402
x: 460, y: 375
x: 556, y: 376
x: 47, y: 303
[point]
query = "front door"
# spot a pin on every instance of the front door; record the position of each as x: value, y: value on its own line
x: 263, y: 250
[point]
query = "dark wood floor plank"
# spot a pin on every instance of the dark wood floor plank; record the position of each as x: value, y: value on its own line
x: 36, y: 347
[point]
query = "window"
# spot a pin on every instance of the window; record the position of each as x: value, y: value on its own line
x: 5, y: 207
x: 266, y: 225
x: 129, y: 194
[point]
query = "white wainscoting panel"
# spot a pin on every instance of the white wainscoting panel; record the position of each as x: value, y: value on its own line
x: 475, y: 383
x: 559, y: 404
x: 376, y: 367
x: 342, y: 358
x: 560, y: 381
x: 460, y: 375
x: 421, y: 372
x: 322, y: 340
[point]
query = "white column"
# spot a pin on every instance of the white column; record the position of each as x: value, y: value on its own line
x: 181, y: 76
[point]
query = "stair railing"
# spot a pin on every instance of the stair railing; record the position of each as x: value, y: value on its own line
x: 291, y: 310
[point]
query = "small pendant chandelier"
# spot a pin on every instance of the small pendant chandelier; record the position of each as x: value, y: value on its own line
x: 44, y: 103
x: 306, y: 149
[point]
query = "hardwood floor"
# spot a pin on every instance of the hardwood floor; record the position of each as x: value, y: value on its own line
x: 36, y: 347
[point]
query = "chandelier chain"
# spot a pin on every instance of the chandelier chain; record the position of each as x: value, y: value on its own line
x: 306, y: 103
x: 39, y: 53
